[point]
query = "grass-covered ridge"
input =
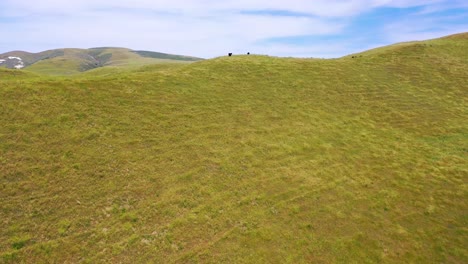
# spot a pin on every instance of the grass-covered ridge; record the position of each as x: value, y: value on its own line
x: 68, y: 62
x: 242, y: 159
x: 159, y: 55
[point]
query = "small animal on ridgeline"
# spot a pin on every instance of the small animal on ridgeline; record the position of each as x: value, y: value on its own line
x: 248, y: 53
x: 230, y: 54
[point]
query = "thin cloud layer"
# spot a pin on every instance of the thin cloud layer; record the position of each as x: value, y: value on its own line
x: 209, y: 28
x: 324, y: 8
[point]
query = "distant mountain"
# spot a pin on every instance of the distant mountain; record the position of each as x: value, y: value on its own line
x: 70, y: 61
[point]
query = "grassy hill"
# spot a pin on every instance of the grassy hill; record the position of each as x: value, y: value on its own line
x: 243, y: 159
x: 66, y: 62
x: 9, y: 74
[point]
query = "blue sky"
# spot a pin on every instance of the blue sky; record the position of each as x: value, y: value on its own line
x: 210, y: 28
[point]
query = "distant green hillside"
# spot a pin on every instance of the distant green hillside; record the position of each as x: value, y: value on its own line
x: 436, y: 48
x: 31, y: 58
x: 158, y: 55
x: 243, y: 159
x: 74, y: 61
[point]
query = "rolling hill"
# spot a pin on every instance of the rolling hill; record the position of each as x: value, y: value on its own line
x: 243, y: 159
x: 73, y: 61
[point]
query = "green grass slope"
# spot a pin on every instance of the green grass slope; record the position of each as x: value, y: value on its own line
x: 128, y: 58
x: 244, y: 159
x: 111, y: 71
x: 8, y: 74
x: 71, y: 62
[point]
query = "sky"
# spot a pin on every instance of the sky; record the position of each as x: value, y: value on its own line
x: 211, y: 28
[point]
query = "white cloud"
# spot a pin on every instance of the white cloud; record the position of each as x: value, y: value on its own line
x: 205, y: 28
x: 206, y: 35
x: 423, y: 25
x: 324, y: 8
x: 401, y: 32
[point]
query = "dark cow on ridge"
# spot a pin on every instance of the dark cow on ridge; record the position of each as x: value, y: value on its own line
x: 230, y: 54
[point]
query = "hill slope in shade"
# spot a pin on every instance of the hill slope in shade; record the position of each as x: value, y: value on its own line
x: 244, y: 159
x: 73, y: 61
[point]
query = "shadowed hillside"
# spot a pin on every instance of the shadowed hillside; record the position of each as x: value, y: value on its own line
x: 243, y: 159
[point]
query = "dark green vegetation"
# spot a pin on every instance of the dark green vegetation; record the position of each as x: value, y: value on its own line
x: 244, y: 159
x: 75, y: 61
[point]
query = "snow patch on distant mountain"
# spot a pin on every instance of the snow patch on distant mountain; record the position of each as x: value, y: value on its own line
x: 20, y: 63
x: 13, y: 62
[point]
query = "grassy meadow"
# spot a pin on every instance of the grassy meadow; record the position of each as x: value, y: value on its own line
x: 243, y: 159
